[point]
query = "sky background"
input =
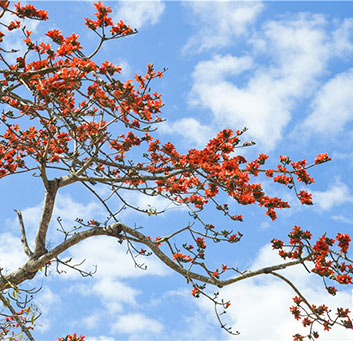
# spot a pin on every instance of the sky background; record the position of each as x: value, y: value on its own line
x: 283, y: 70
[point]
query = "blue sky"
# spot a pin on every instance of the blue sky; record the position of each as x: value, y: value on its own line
x: 282, y: 69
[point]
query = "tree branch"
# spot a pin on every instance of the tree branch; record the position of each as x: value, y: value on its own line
x: 188, y: 274
x: 24, y: 242
x: 49, y: 201
x: 28, y: 270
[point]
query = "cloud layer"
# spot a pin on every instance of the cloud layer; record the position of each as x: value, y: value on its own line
x: 262, y: 89
x: 219, y: 24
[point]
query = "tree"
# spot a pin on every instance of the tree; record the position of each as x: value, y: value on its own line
x: 70, y: 120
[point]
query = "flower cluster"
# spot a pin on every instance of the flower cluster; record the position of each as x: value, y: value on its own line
x: 73, y: 337
x: 29, y: 11
x: 329, y: 264
x: 180, y: 257
x: 103, y: 20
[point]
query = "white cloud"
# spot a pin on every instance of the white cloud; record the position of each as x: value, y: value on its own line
x: 267, y: 257
x: 126, y: 71
x: 46, y: 301
x: 332, y: 106
x: 198, y: 325
x: 139, y: 13
x: 272, y: 316
x: 298, y: 50
x: 101, y: 337
x: 337, y: 194
x: 220, y: 23
x: 114, y: 264
x: 137, y: 324
x: 114, y: 294
x: 342, y: 37
x: 193, y: 132
x: 12, y: 255
x: 91, y: 320
x: 342, y: 219
x: 257, y: 107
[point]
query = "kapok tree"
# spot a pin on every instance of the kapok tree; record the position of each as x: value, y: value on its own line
x: 72, y: 120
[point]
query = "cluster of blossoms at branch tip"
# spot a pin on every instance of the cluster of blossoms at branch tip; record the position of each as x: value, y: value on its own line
x: 180, y: 257
x: 329, y: 264
x: 29, y: 11
x: 318, y: 253
x: 195, y: 292
x: 103, y: 20
x: 320, y: 158
x: 73, y: 337
x: 319, y: 314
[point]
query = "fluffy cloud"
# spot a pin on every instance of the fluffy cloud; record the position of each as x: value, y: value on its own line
x: 342, y: 219
x: 91, y: 320
x: 101, y: 337
x: 193, y: 132
x: 137, y: 325
x: 332, y: 106
x: 139, y: 13
x: 47, y: 299
x: 11, y: 253
x: 115, y: 266
x: 337, y: 194
x: 220, y: 22
x: 47, y: 302
x: 113, y: 294
x: 298, y: 50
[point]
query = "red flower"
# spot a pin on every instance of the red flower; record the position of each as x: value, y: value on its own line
x: 296, y: 312
x: 297, y: 300
x: 276, y: 244
x: 195, y: 292
x: 305, y: 198
x: 56, y: 36
x: 320, y: 158
x: 343, y: 242
x: 233, y: 238
x: 298, y: 337
x: 200, y: 242
x: 181, y: 257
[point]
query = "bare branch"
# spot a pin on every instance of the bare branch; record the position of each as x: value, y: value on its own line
x: 24, y: 242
